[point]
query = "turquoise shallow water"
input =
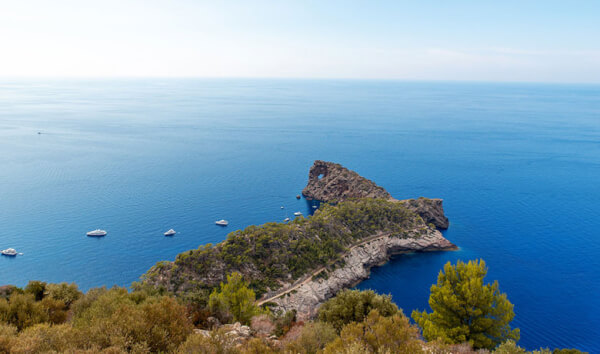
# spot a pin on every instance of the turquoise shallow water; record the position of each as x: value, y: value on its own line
x: 518, y: 166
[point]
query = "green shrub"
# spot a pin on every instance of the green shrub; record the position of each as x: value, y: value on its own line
x: 353, y: 306
x: 234, y: 298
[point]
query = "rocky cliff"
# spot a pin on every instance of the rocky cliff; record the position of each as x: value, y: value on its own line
x: 331, y: 182
x: 431, y: 210
x: 305, y: 296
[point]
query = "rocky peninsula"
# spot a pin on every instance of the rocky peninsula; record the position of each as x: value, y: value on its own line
x: 299, y: 265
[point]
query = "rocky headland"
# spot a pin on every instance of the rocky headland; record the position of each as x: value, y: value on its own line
x: 297, y: 266
x: 332, y: 183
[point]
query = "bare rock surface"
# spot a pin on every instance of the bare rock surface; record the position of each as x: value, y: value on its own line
x: 431, y: 210
x: 332, y: 182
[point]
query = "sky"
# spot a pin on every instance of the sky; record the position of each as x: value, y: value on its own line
x: 483, y: 40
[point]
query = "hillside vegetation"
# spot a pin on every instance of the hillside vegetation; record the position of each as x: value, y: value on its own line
x: 273, y: 253
x: 58, y: 318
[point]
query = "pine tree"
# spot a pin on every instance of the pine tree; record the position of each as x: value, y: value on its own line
x: 466, y: 310
x: 235, y: 298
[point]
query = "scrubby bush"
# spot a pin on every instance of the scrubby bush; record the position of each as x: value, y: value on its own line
x: 36, y: 288
x: 56, y: 310
x: 8, y: 334
x: 378, y: 334
x: 216, y: 342
x: 67, y: 293
x: 284, y: 322
x: 313, y: 338
x: 44, y: 337
x: 22, y: 311
x: 234, y: 299
x: 509, y: 347
x: 115, y: 319
x: 353, y: 306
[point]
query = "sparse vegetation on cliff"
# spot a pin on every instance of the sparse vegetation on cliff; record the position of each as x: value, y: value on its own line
x: 273, y: 253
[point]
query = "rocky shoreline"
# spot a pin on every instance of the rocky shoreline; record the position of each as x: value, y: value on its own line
x: 357, y: 263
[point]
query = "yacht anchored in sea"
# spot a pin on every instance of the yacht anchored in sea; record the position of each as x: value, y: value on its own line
x: 97, y: 233
x: 9, y: 252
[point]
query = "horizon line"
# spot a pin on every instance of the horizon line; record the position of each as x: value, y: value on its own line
x: 283, y: 78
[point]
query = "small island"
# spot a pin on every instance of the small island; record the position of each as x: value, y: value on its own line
x: 299, y: 265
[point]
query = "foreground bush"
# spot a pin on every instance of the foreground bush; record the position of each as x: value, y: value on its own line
x: 313, y: 337
x: 353, y: 306
x: 234, y: 299
x: 57, y: 318
x: 378, y: 334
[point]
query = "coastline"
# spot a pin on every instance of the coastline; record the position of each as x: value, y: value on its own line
x: 306, y: 296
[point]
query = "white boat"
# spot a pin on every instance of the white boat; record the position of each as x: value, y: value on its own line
x: 297, y: 213
x: 222, y: 222
x: 286, y: 219
x: 9, y: 252
x: 314, y: 207
x: 97, y: 232
x: 171, y: 232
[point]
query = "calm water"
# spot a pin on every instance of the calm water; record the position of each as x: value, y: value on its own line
x: 518, y: 166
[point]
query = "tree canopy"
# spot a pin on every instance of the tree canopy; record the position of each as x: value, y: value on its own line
x: 377, y: 334
x: 464, y: 309
x: 235, y: 298
x: 353, y: 306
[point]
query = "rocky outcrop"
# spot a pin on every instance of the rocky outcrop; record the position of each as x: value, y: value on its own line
x: 306, y: 297
x: 431, y: 210
x: 232, y: 334
x: 331, y: 182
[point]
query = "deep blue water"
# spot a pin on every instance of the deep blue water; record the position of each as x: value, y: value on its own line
x: 518, y: 167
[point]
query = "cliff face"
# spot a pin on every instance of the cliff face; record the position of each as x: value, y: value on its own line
x: 431, y: 210
x: 306, y: 296
x: 331, y: 182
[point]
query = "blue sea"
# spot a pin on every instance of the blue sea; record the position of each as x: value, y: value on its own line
x: 518, y: 167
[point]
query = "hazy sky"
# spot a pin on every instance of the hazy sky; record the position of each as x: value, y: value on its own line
x: 523, y: 40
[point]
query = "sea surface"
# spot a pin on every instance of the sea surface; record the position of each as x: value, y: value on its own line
x: 518, y: 167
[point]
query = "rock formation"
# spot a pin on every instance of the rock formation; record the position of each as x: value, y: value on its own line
x: 331, y: 182
x: 431, y: 210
